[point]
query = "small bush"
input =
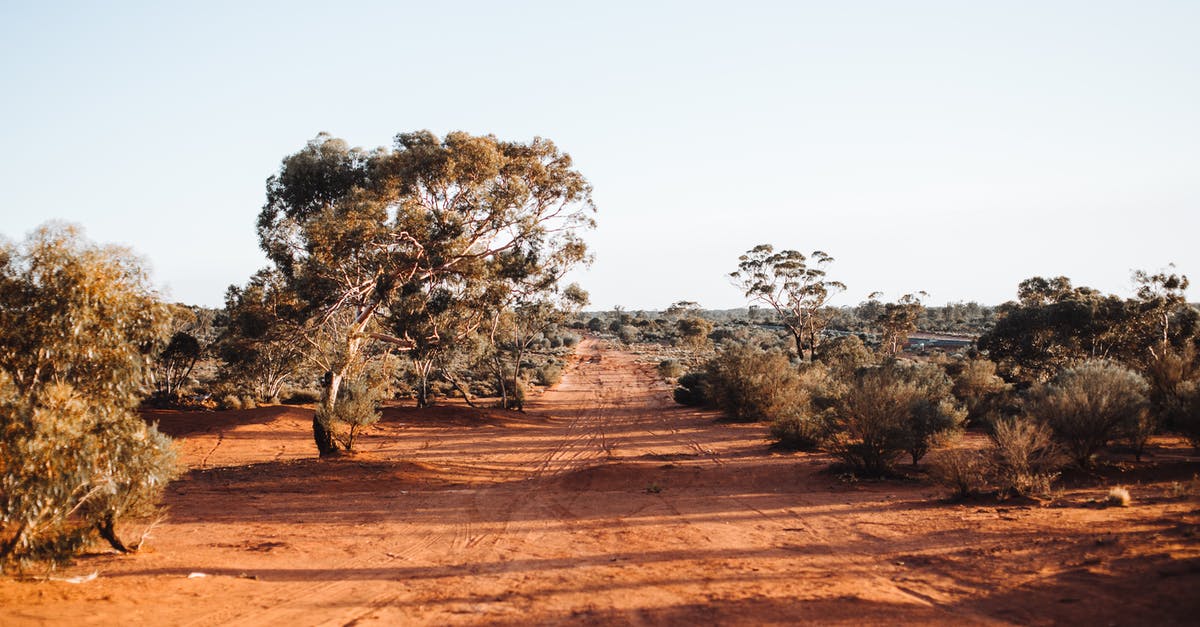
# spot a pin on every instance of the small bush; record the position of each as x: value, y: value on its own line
x: 249, y: 402
x: 964, y: 471
x: 1024, y: 457
x: 302, y: 397
x: 670, y: 369
x: 1090, y: 405
x: 354, y: 410
x: 799, y: 432
x: 693, y: 390
x: 628, y: 333
x: 549, y: 374
x: 979, y: 387
x: 230, y: 402
x: 1118, y: 497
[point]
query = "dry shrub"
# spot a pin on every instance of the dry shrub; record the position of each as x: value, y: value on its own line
x: 549, y: 374
x: 670, y: 369
x: 964, y: 471
x: 801, y: 432
x: 978, y: 387
x: 1024, y: 457
x: 1118, y: 497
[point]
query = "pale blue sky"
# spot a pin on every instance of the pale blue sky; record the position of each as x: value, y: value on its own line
x: 955, y: 147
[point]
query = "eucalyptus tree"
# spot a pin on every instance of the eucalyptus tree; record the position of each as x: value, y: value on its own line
x: 352, y: 231
x: 79, y: 327
x: 792, y: 284
x: 898, y: 320
x: 262, y: 348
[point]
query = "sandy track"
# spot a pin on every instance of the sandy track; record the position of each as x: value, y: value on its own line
x: 606, y: 503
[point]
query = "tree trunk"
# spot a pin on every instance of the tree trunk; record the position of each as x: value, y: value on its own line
x: 108, y: 530
x: 322, y: 434
x: 466, y: 394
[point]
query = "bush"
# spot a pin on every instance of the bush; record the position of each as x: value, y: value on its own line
x: 979, y: 387
x: 1118, y: 497
x: 693, y: 332
x: 751, y: 385
x: 964, y: 471
x: 1186, y: 416
x: 1090, y: 405
x: 890, y: 410
x: 670, y: 369
x: 229, y: 402
x: 628, y: 333
x: 844, y: 356
x: 549, y: 374
x: 1024, y: 457
x: 693, y: 390
x: 302, y: 397
x: 77, y: 323
x: 354, y: 408
x: 800, y: 432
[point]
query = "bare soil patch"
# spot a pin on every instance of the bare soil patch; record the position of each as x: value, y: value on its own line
x: 607, y: 504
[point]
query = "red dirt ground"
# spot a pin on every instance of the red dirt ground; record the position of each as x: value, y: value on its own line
x: 608, y: 504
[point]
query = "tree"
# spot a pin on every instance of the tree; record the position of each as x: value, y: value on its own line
x: 175, y: 364
x: 525, y: 321
x: 262, y: 344
x: 1054, y: 324
x: 793, y: 285
x: 898, y: 320
x: 79, y: 325
x: 1161, y: 299
x: 351, y: 231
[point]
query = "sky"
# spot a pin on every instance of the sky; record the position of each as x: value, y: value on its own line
x: 952, y: 147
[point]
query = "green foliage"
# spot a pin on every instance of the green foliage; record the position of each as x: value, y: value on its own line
x: 792, y: 284
x: 261, y: 348
x: 845, y: 355
x: 78, y: 326
x: 353, y: 411
x: 979, y: 388
x: 175, y: 364
x: 749, y: 385
x: 890, y: 410
x: 1090, y: 405
x: 801, y: 432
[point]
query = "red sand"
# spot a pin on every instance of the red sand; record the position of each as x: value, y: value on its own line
x: 607, y: 503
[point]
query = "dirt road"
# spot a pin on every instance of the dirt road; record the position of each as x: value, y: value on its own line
x: 605, y: 503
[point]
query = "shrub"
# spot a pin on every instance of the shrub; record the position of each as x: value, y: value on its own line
x: 1186, y: 416
x: 670, y: 369
x: 1090, y: 405
x: 628, y: 333
x: 978, y: 387
x: 1118, y: 497
x: 890, y: 410
x: 302, y: 397
x: 230, y: 402
x: 800, y: 432
x: 354, y: 409
x: 549, y: 374
x: 77, y: 322
x: 1024, y: 457
x: 751, y: 385
x: 693, y: 390
x: 964, y: 471
x: 693, y: 332
x: 844, y: 356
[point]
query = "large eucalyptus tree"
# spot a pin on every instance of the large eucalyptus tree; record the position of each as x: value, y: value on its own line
x: 362, y: 235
